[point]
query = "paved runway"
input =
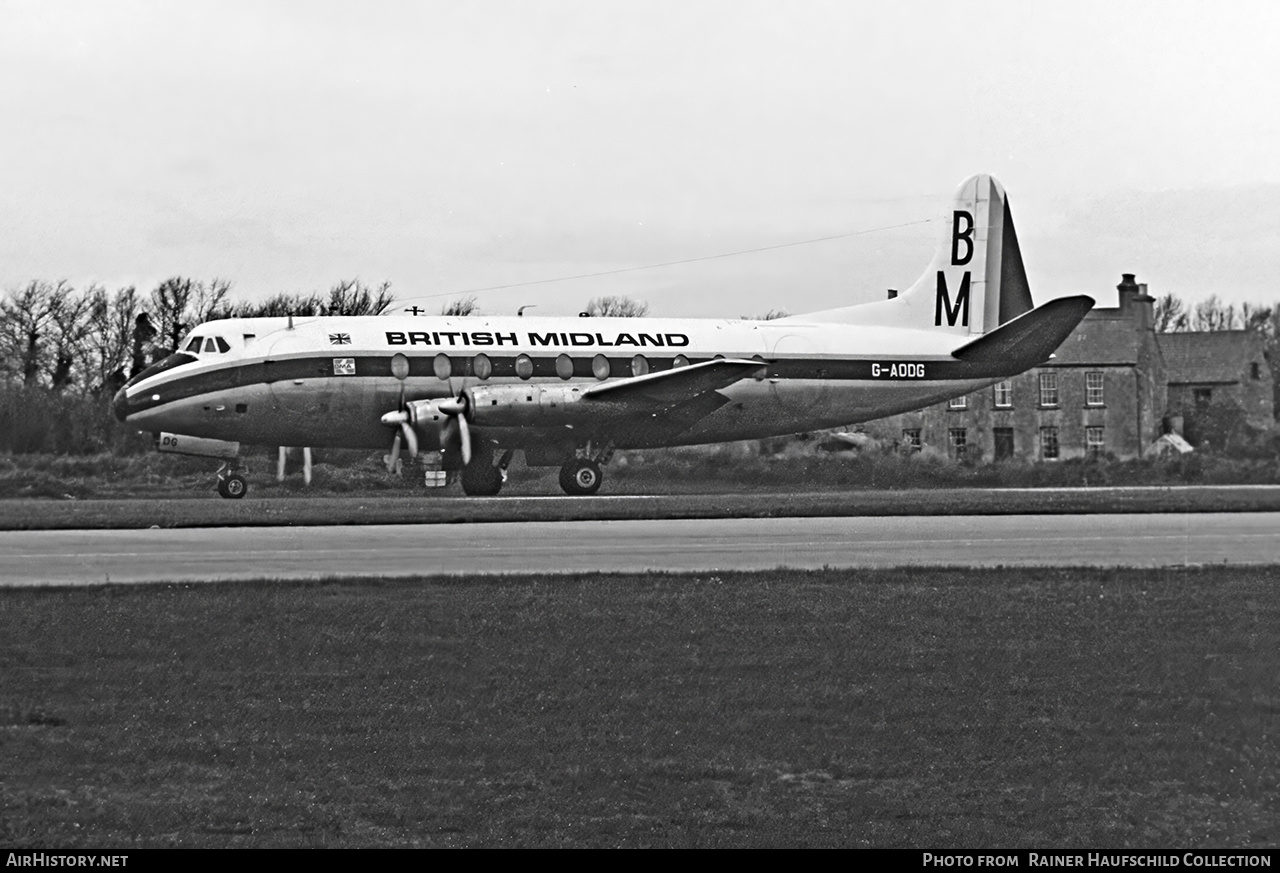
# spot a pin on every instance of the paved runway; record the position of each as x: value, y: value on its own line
x: 202, y: 554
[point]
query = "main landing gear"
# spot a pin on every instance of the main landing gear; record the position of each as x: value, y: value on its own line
x: 231, y: 481
x: 580, y: 476
x: 483, y: 478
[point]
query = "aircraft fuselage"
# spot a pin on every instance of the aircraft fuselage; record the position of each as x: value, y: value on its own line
x: 326, y: 381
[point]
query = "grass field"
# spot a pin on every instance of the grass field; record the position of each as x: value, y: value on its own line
x: 1011, y: 709
x: 454, y: 508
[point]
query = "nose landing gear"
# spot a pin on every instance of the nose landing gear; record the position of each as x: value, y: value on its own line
x: 231, y: 482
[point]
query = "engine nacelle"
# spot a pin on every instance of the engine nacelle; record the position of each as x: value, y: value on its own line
x: 530, y: 405
x: 181, y: 444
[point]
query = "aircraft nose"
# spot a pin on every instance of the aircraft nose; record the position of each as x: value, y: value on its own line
x: 120, y: 404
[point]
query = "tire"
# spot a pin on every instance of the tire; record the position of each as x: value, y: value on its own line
x: 481, y: 479
x: 581, y: 477
x: 232, y: 486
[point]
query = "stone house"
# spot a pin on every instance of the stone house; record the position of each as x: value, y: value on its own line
x: 1218, y: 381
x: 1103, y: 392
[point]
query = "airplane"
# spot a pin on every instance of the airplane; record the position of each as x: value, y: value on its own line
x: 569, y: 391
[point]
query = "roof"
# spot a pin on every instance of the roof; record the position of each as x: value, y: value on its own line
x: 1105, y: 337
x: 1210, y: 356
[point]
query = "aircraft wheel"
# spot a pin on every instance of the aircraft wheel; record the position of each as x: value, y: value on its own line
x: 580, y: 477
x: 481, y: 479
x: 232, y: 486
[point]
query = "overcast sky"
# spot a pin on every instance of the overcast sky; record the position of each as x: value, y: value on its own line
x: 450, y: 146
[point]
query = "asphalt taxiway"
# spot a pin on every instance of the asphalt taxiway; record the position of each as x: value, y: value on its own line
x: 208, y: 554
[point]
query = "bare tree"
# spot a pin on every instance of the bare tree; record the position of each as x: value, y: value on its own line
x: 1212, y: 314
x: 1259, y: 318
x: 211, y: 302
x: 72, y: 325
x: 27, y: 318
x: 140, y: 340
x: 1170, y: 314
x: 112, y: 316
x: 353, y: 297
x: 462, y: 306
x: 171, y: 313
x: 280, y: 305
x: 617, y: 306
x: 768, y: 316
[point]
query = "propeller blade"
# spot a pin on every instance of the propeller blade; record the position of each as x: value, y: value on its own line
x: 464, y: 435
x: 410, y: 438
x: 394, y: 457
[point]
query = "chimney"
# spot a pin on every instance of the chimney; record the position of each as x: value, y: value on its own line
x: 1128, y: 289
x: 1144, y: 308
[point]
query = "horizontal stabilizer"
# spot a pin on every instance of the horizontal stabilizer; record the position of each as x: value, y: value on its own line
x: 1029, y: 339
x: 675, y: 386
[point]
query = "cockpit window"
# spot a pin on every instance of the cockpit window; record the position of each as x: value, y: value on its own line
x: 207, y: 344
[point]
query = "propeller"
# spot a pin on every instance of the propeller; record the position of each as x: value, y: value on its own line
x: 401, y: 418
x: 450, y: 415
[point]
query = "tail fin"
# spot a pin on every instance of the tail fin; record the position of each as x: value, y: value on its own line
x: 976, y: 281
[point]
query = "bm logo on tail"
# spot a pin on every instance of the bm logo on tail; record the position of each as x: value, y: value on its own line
x: 961, y: 237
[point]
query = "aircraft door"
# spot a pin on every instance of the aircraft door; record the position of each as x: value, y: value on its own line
x: 808, y: 389
x: 298, y: 382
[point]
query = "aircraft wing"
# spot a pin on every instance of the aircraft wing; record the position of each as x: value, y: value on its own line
x: 674, y: 387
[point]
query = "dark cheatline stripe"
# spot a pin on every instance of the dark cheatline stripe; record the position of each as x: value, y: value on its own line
x: 379, y: 366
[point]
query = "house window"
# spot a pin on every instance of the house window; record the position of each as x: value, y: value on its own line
x: 1049, y: 443
x: 911, y: 439
x: 1048, y: 389
x: 961, y: 402
x: 1093, y: 389
x: 1203, y: 396
x: 1004, y: 442
x: 958, y: 439
x: 1255, y: 370
x: 1093, y: 442
x: 1004, y: 394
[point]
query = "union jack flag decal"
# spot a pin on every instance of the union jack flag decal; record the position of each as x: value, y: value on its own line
x: 340, y: 339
